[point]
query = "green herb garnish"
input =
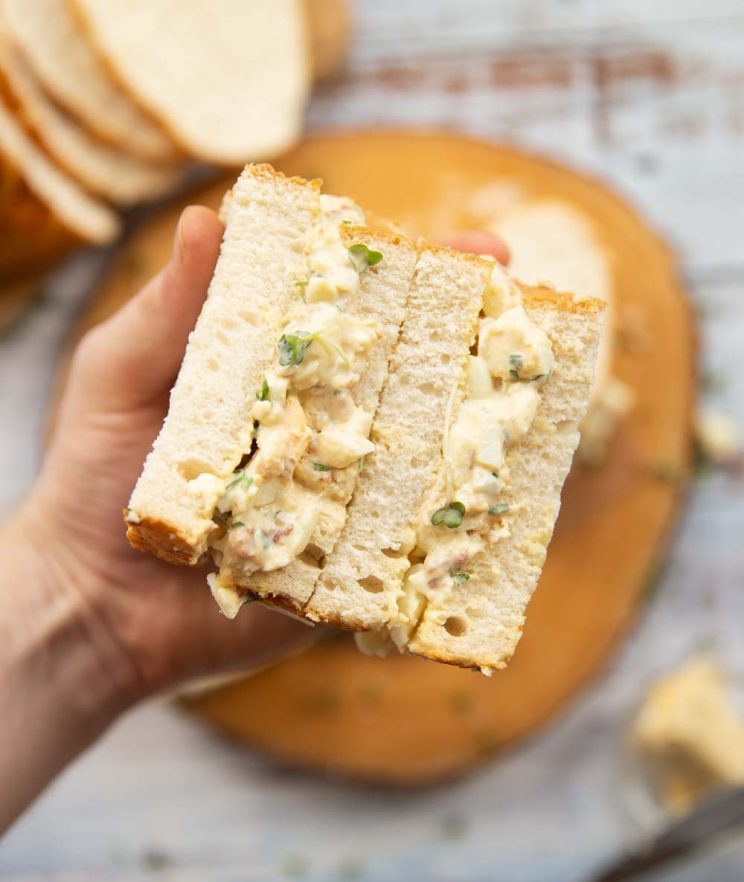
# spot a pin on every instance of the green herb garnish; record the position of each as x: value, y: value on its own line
x: 302, y: 283
x: 237, y: 524
x: 499, y: 508
x: 292, y: 347
x: 362, y: 257
x: 516, y: 360
x: 239, y: 477
x: 321, y: 467
x: 263, y: 392
x: 460, y: 577
x: 451, y: 515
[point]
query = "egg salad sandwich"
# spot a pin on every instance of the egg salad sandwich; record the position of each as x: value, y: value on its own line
x: 366, y: 430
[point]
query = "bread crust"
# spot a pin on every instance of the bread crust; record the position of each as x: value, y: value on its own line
x: 535, y: 295
x: 159, y: 539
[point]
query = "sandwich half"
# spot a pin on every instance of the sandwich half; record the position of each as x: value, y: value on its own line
x: 368, y: 431
x: 447, y: 533
x: 271, y: 413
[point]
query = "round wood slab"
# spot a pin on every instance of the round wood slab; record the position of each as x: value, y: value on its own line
x: 401, y: 720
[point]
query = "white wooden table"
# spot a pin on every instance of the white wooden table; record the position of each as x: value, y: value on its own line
x: 647, y: 93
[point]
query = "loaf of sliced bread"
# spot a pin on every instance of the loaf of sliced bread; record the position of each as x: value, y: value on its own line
x: 43, y: 212
x: 51, y: 41
x: 106, y: 171
x: 242, y: 68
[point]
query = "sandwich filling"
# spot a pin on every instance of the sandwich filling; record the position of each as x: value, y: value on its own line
x: 310, y: 436
x: 465, y: 511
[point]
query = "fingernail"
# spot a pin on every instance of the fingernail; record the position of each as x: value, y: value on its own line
x: 179, y: 241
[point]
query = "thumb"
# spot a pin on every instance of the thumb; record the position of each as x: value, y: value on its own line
x: 131, y: 360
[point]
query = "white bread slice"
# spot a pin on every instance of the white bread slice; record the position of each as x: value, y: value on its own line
x: 242, y: 69
x: 358, y: 586
x: 104, y: 170
x: 479, y: 623
x: 43, y: 213
x: 381, y: 298
x: 53, y: 44
x: 269, y: 219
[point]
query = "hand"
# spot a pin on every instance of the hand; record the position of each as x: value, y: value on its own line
x: 107, y: 622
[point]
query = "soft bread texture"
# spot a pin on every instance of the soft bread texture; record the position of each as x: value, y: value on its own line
x: 243, y: 69
x: 207, y: 430
x: 479, y: 623
x: 53, y: 44
x: 381, y: 298
x: 104, y: 170
x: 43, y: 213
x: 358, y: 586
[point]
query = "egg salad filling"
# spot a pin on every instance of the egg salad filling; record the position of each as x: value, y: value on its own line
x: 465, y: 510
x: 310, y: 436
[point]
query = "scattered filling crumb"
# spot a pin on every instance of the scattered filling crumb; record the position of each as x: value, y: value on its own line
x: 309, y: 436
x: 718, y: 437
x: 691, y: 735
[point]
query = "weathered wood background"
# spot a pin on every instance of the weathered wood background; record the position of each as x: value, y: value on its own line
x: 650, y: 95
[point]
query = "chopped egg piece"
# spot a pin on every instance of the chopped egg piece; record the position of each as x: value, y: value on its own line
x: 718, y: 436
x: 690, y: 731
x: 514, y: 348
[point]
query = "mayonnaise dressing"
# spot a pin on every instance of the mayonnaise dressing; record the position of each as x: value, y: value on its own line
x: 310, y: 435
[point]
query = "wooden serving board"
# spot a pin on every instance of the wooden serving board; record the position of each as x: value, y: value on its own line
x: 400, y: 720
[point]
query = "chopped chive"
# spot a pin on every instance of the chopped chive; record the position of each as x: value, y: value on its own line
x: 321, y: 467
x: 460, y: 577
x: 239, y: 477
x: 451, y: 515
x: 292, y: 347
x: 263, y: 392
x: 499, y: 508
x: 516, y: 361
x: 362, y: 257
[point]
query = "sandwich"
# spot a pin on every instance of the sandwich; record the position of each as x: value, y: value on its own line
x: 366, y: 430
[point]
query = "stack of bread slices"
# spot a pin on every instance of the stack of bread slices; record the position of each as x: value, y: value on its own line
x: 105, y: 105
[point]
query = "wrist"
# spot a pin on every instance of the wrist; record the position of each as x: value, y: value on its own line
x: 61, y: 681
x: 57, y: 614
